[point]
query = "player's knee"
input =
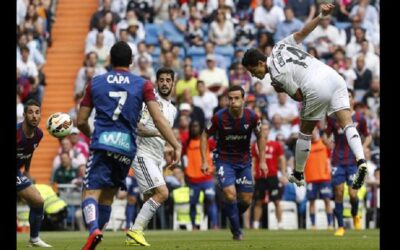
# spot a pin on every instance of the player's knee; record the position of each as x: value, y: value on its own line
x: 161, y: 193
x: 230, y: 196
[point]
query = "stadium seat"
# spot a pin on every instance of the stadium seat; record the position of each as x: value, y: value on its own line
x: 195, y: 51
x: 342, y: 25
x: 227, y: 51
x: 181, y: 214
x: 151, y: 31
x: 289, y: 215
x: 171, y: 33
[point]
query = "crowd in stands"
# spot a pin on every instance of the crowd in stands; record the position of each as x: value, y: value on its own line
x: 203, y: 42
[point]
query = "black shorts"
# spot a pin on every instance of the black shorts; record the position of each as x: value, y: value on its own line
x: 270, y: 184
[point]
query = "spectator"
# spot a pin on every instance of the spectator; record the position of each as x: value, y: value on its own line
x: 86, y: 73
x: 261, y: 99
x: 64, y: 173
x: 124, y: 36
x: 134, y: 35
x: 196, y: 113
x: 287, y: 110
x: 206, y: 100
x: 214, y: 78
x: 221, y: 30
x: 145, y: 70
x: 101, y: 50
x: 267, y: 16
x: 142, y: 51
x: 348, y: 73
x: 78, y: 145
x: 278, y: 128
x: 372, y: 97
x: 124, y: 23
x: 106, y: 8
x: 240, y: 77
x: 363, y: 80
x: 27, y: 69
x: 33, y: 23
x: 354, y: 46
x: 245, y: 34
x: 220, y: 60
x: 144, y: 10
x: 195, y: 33
x: 338, y: 60
x: 303, y: 10
x: 369, y: 12
x: 288, y: 26
x: 77, y: 158
x: 188, y: 82
x: 372, y: 61
x: 161, y: 8
x: 34, y: 54
x: 222, y: 103
x: 119, y: 7
x: 20, y: 110
x: 109, y: 37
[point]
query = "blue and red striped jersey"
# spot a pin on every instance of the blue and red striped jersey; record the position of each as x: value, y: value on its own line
x: 342, y: 154
x: 26, y: 146
x: 233, y: 135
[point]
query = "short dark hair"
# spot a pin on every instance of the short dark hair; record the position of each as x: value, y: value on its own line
x: 31, y: 102
x: 236, y: 88
x: 121, y: 54
x: 351, y: 91
x: 165, y: 70
x: 252, y: 56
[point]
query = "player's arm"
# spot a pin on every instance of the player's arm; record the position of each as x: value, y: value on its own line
x: 203, y: 152
x: 261, y: 145
x: 145, y: 132
x: 84, y: 112
x: 326, y: 9
x: 163, y: 126
x: 282, y: 164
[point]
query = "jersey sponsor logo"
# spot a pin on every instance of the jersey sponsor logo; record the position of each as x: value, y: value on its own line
x: 235, y: 137
x: 227, y: 127
x: 116, y: 139
x: 244, y: 181
x: 281, y: 62
x: 24, y: 157
x: 118, y: 79
x: 246, y: 126
x: 326, y: 190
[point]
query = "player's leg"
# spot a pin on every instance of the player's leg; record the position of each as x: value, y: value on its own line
x: 90, y: 211
x: 350, y: 174
x: 275, y: 196
x: 338, y: 179
x: 259, y: 195
x: 133, y: 194
x: 302, y: 151
x: 106, y: 199
x: 152, y: 185
x: 212, y: 211
x: 325, y: 193
x: 311, y: 196
x: 35, y: 202
x: 193, y: 200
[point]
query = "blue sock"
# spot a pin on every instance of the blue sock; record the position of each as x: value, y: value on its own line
x: 354, y: 207
x: 312, y: 217
x: 35, y: 220
x: 104, y: 215
x: 242, y: 207
x: 339, y: 213
x: 213, y: 214
x: 90, y: 211
x: 232, y: 212
x: 130, y: 213
x: 193, y: 213
x: 329, y: 218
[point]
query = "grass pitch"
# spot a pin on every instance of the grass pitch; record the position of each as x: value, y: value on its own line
x: 220, y: 239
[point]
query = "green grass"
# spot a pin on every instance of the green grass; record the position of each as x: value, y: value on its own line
x: 221, y: 240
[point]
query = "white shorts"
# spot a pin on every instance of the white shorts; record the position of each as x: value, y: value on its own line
x: 148, y: 173
x: 325, y: 96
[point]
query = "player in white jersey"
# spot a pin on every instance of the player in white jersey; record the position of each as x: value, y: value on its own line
x: 149, y: 157
x: 321, y: 89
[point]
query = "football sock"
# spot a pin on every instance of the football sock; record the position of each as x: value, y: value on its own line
x: 354, y: 141
x: 232, y: 212
x: 193, y: 213
x: 90, y: 213
x: 354, y: 207
x: 303, y: 146
x: 104, y: 215
x: 147, y: 212
x: 35, y: 220
x: 256, y: 224
x: 130, y: 213
x: 212, y: 212
x: 312, y: 218
x: 329, y: 218
x: 338, y: 210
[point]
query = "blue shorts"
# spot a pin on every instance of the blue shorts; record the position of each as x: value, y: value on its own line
x: 342, y: 173
x: 22, y: 181
x: 321, y: 190
x: 207, y: 187
x: 133, y: 188
x: 106, y: 169
x: 235, y: 174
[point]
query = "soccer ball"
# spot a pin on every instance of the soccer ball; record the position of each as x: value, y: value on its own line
x: 59, y: 125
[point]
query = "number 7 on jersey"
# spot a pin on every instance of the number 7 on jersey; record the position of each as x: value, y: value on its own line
x: 122, y: 99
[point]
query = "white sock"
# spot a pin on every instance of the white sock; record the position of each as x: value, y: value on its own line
x: 354, y: 141
x: 256, y: 224
x: 147, y: 212
x: 35, y: 239
x: 303, y: 147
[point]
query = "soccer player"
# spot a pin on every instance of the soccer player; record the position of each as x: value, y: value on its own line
x: 318, y: 178
x: 344, y: 165
x: 232, y: 128
x: 268, y: 182
x: 148, y: 163
x: 118, y: 97
x: 28, y: 137
x: 321, y: 89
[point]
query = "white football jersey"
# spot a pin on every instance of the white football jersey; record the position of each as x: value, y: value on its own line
x: 154, y: 146
x: 291, y: 68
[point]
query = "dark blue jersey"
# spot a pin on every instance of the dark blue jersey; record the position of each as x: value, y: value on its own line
x: 233, y: 135
x: 117, y: 97
x: 26, y: 146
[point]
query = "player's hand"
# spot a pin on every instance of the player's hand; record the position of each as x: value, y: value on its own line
x: 204, y: 168
x: 175, y: 158
x: 277, y: 88
x: 264, y: 168
x: 326, y: 8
